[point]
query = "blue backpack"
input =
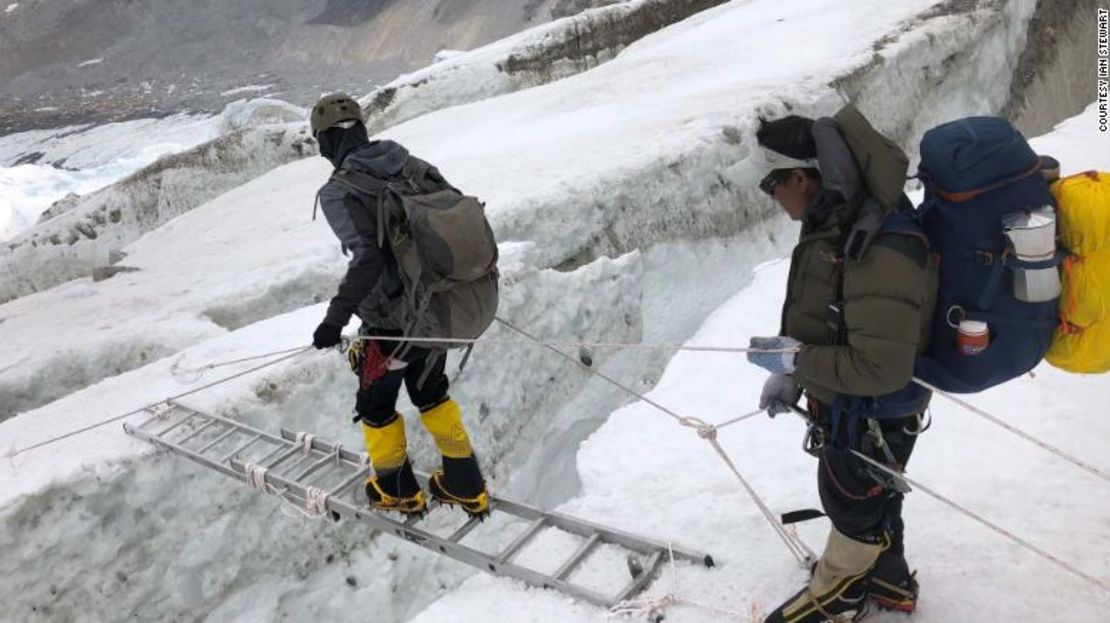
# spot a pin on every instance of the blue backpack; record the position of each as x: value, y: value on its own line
x: 976, y: 171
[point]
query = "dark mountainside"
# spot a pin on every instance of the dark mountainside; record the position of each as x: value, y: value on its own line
x: 80, y: 61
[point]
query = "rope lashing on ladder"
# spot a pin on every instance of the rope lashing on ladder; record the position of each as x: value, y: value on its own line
x: 316, y: 499
x: 304, y: 440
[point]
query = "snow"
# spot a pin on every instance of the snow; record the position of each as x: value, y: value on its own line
x: 609, y: 194
x: 82, y: 159
x: 11, y: 7
x: 90, y: 62
x: 250, y: 88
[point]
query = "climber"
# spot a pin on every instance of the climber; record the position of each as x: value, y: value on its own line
x: 857, y: 311
x: 373, y: 290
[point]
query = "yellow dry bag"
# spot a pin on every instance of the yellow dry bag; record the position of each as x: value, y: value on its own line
x: 1082, y: 341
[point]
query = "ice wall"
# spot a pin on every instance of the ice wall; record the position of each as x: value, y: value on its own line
x: 606, y: 268
x: 91, y: 228
x: 536, y: 56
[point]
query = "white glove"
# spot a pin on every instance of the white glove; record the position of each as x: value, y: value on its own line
x: 780, y: 393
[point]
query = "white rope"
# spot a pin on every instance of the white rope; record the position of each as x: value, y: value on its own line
x: 706, y: 431
x: 1063, y: 564
x: 117, y: 418
x: 256, y: 477
x: 1094, y: 471
x: 195, y: 374
x: 317, y: 502
x: 616, y: 345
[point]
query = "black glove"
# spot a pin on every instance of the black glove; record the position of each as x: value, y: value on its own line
x: 789, y: 136
x: 326, y: 335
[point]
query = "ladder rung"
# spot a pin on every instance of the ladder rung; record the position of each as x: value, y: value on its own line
x: 173, y: 426
x: 520, y: 541
x: 200, y: 429
x: 271, y: 454
x: 308, y: 471
x: 280, y: 458
x: 354, y: 478
x: 287, y: 470
x: 576, y: 559
x: 231, y: 430
x: 155, y: 416
x: 464, y: 530
x: 240, y: 449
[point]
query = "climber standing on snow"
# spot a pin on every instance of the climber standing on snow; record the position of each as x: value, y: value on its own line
x: 858, y: 307
x: 376, y: 288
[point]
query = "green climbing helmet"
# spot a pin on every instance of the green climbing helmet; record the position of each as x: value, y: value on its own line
x: 332, y: 110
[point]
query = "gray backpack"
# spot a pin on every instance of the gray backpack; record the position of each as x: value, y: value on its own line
x: 445, y: 251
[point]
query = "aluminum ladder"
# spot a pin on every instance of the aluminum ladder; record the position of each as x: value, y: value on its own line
x: 296, y: 468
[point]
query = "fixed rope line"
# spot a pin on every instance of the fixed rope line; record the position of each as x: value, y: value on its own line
x: 195, y: 390
x: 1094, y: 471
x: 616, y: 345
x: 199, y: 372
x: 705, y: 430
x: 1059, y: 562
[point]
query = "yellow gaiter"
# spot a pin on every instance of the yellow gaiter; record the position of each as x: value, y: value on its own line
x: 444, y: 422
x: 386, y: 445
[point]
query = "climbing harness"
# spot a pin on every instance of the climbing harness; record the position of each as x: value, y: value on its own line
x: 897, y: 476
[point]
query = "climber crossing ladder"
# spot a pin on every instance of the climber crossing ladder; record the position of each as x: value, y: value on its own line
x: 322, y: 478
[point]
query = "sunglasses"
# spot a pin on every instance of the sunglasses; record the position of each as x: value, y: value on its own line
x: 772, y: 180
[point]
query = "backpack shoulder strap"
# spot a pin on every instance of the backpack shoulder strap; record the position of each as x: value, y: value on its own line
x: 898, y: 231
x: 373, y: 187
x: 361, y: 182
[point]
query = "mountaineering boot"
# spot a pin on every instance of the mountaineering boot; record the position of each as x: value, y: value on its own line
x: 393, y: 486
x: 848, y: 604
x: 396, y: 491
x: 460, y: 482
x: 891, y: 585
x: 837, y: 592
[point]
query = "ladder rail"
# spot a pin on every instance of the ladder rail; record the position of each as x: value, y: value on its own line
x: 584, y: 528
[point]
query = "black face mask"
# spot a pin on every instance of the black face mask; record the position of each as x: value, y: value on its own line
x: 336, y: 142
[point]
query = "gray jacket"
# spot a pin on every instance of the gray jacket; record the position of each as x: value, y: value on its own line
x: 372, y: 286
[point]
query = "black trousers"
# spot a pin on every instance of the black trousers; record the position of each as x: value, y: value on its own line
x: 858, y: 506
x: 419, y: 369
